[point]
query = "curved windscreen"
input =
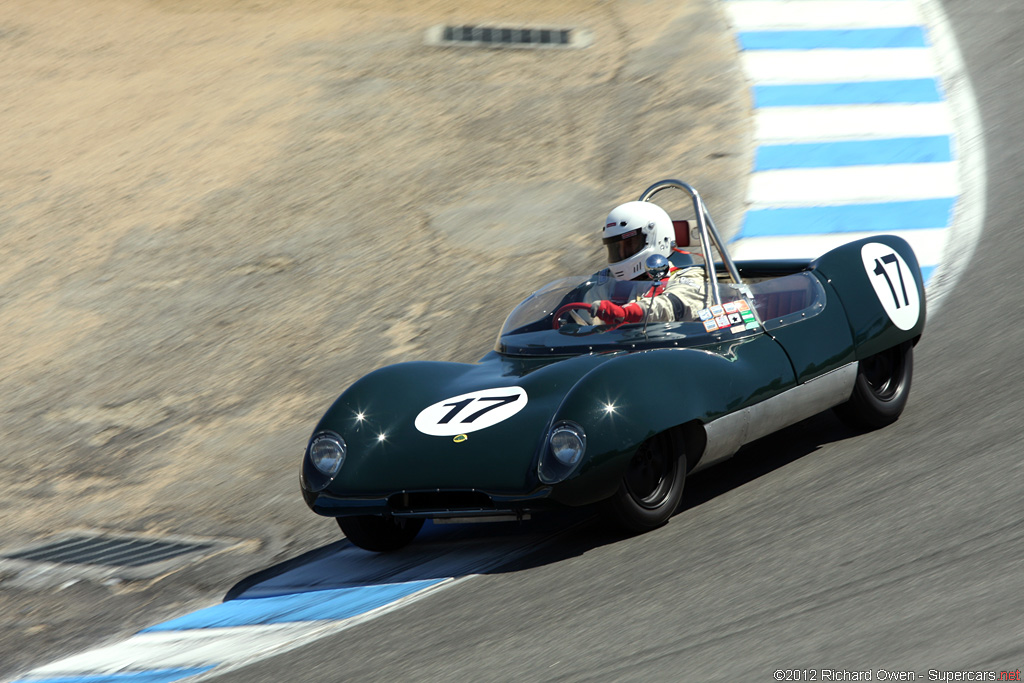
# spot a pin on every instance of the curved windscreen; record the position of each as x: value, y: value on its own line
x: 530, y: 328
x: 786, y: 300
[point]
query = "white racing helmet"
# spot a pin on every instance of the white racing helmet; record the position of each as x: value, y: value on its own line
x: 632, y: 232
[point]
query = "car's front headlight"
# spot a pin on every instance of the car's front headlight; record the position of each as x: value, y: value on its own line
x: 326, y: 452
x: 563, y: 452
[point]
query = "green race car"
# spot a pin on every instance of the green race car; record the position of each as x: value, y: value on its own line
x: 567, y: 411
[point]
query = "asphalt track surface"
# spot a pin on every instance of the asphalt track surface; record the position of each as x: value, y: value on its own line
x: 817, y: 548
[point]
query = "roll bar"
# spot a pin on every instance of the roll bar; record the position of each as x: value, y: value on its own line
x: 708, y: 232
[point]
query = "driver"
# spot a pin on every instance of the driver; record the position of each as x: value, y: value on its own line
x: 632, y: 232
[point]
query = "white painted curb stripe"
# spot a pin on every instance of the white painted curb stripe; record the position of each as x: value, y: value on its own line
x: 173, y: 649
x: 767, y: 15
x: 852, y: 184
x: 775, y: 125
x: 771, y: 67
x: 928, y: 245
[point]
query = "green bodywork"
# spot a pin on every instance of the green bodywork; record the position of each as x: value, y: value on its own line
x: 621, y: 387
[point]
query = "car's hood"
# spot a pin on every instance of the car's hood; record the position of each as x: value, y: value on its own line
x: 428, y: 425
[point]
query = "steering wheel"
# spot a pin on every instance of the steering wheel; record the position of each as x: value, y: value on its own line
x: 564, y: 308
x: 599, y: 325
x: 556, y: 323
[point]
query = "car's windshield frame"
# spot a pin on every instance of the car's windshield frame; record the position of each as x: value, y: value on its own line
x: 530, y: 327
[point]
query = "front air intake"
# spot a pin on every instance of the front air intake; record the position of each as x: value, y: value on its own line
x: 440, y: 501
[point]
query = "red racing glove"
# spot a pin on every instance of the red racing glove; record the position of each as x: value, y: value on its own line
x: 612, y: 314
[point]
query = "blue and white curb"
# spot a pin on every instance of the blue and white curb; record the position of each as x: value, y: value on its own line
x: 232, y: 634
x: 340, y: 588
x: 864, y: 124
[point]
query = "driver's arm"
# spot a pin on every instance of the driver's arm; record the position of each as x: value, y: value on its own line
x: 683, y: 297
x: 665, y: 308
x: 610, y: 313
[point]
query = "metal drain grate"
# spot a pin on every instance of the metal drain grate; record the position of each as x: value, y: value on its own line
x: 502, y: 36
x: 111, y: 552
x: 106, y: 555
x: 107, y: 551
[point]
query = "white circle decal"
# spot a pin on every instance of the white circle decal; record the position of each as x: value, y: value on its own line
x: 471, y: 412
x: 894, y: 284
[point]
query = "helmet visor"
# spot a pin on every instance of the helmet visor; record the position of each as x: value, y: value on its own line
x: 621, y: 247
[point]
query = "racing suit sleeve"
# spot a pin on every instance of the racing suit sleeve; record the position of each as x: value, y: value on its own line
x: 684, y: 295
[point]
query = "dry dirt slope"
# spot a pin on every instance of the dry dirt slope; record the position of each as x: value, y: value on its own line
x: 214, y: 215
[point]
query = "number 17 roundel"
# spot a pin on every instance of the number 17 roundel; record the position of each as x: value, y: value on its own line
x: 894, y: 284
x: 471, y: 412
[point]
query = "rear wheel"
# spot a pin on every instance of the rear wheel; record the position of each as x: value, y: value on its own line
x: 380, y: 534
x: 881, y: 390
x: 651, y: 487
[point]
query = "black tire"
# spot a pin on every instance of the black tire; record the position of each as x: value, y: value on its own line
x: 881, y: 390
x: 380, y: 534
x: 651, y: 487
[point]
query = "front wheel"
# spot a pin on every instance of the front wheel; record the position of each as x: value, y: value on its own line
x: 380, y: 534
x: 881, y: 390
x: 651, y: 487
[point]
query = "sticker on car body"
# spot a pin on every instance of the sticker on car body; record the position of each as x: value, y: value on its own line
x: 735, y: 315
x: 471, y: 412
x: 894, y: 284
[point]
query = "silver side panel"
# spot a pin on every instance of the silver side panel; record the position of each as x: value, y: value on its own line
x: 728, y: 433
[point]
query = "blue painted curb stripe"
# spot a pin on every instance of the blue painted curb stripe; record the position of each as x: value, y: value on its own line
x: 335, y: 604
x: 865, y: 38
x: 153, y: 676
x: 854, y: 153
x: 908, y: 91
x: 880, y: 217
